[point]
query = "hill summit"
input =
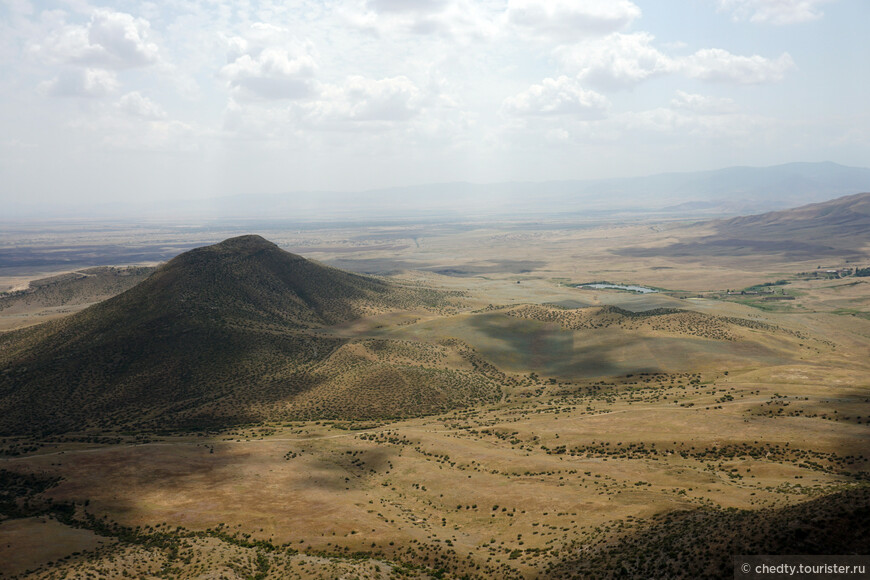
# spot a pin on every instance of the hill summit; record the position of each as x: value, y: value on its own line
x: 248, y: 280
x: 212, y: 337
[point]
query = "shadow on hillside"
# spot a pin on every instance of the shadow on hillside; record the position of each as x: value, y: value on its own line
x: 545, y: 348
x: 26, y: 259
x: 387, y: 266
x: 713, y: 246
x: 701, y: 543
x: 215, y: 480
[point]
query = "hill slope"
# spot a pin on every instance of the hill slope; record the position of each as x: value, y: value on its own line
x: 55, y: 296
x: 701, y: 543
x: 836, y: 228
x: 827, y: 221
x: 220, y: 334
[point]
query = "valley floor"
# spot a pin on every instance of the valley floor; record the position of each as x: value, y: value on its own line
x: 625, y: 446
x: 509, y: 490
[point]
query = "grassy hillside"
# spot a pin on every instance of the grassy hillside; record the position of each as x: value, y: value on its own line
x: 830, y: 221
x: 81, y: 287
x: 700, y: 543
x: 218, y: 335
x: 839, y: 228
x: 57, y: 296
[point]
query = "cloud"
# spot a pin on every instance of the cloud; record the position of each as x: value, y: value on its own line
x: 616, y: 61
x: 150, y: 135
x: 253, y: 122
x: 88, y: 82
x: 560, y: 96
x: 620, y: 61
x: 702, y: 103
x: 268, y: 63
x: 364, y: 100
x: 678, y: 124
x: 406, y: 6
x: 112, y: 40
x: 572, y: 19
x: 274, y: 73
x: 718, y: 65
x: 359, y: 104
x: 455, y: 19
x: 258, y: 37
x: 779, y: 12
x: 118, y: 128
x: 138, y: 106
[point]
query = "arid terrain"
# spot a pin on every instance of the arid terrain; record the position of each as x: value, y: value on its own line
x: 470, y: 407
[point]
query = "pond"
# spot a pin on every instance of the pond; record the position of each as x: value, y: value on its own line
x: 632, y: 288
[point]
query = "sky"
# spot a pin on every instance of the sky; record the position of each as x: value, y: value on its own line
x: 191, y: 99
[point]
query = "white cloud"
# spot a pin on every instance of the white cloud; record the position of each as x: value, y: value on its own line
x: 113, y: 40
x: 269, y: 63
x: 456, y: 19
x: 560, y: 96
x: 623, y: 60
x: 703, y: 103
x: 704, y: 119
x: 151, y: 135
x: 19, y: 8
x: 777, y: 12
x: 718, y: 65
x: 678, y: 124
x: 660, y: 120
x: 572, y: 19
x: 139, y: 106
x: 363, y: 100
x: 253, y: 122
x: 407, y: 6
x: 357, y: 105
x: 665, y: 126
x: 116, y: 128
x: 559, y: 136
x: 258, y: 37
x: 274, y: 73
x: 88, y: 82
x: 616, y: 61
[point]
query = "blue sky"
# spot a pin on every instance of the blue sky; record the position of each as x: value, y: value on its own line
x: 111, y: 101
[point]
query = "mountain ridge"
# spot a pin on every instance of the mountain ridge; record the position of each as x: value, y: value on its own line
x: 732, y: 190
x: 838, y: 228
x: 850, y: 211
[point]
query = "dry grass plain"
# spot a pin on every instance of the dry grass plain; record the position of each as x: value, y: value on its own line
x: 607, y: 422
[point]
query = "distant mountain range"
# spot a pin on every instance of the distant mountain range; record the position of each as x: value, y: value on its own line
x: 730, y: 191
